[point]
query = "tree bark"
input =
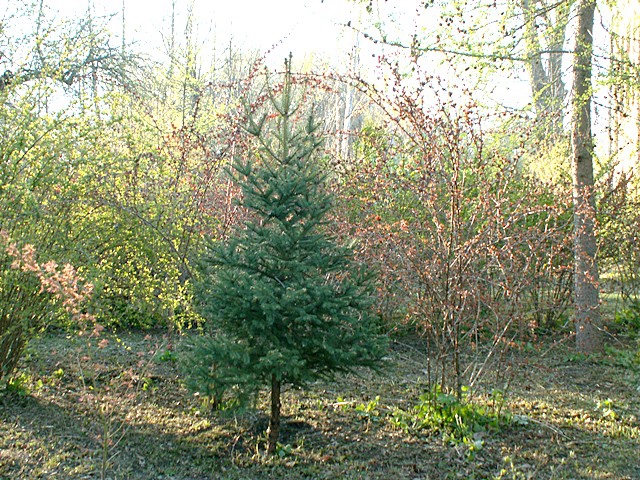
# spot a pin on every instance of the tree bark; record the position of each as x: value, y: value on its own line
x: 537, y: 75
x: 549, y: 21
x: 587, y: 298
x: 273, y: 432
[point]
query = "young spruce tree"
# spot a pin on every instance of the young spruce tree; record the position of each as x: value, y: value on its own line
x: 286, y: 303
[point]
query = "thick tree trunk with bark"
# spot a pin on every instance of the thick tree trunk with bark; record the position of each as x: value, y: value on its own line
x: 273, y: 432
x: 587, y: 299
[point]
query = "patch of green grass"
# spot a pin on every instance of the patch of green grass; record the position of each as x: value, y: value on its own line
x: 626, y: 358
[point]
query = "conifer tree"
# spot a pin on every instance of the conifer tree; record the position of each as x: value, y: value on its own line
x: 286, y: 304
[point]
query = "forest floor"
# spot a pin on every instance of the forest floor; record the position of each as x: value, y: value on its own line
x: 119, y: 410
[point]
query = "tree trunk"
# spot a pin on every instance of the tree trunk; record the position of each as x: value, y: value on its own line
x: 273, y: 432
x: 587, y: 315
x: 547, y: 85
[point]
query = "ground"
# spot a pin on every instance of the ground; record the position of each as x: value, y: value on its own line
x: 87, y: 408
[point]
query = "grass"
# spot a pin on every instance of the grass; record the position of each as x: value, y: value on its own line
x: 121, y: 412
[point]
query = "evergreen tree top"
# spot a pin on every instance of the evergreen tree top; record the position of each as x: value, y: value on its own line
x: 283, y: 298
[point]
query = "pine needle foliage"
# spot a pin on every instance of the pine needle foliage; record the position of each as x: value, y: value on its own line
x: 286, y: 304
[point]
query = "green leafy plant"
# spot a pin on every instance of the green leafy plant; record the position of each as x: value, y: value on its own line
x: 459, y: 421
x: 628, y: 358
x: 147, y: 384
x: 369, y: 410
x: 627, y: 319
x: 283, y: 451
x: 19, y: 384
x: 606, y: 409
x: 168, y: 356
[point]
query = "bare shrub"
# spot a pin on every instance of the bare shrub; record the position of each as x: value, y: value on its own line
x: 470, y: 248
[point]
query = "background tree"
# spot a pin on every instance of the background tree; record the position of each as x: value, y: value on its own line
x: 290, y: 305
x: 159, y: 189
x: 65, y: 53
x: 482, y: 38
x: 624, y: 83
x: 587, y: 298
x: 545, y: 32
x: 533, y: 33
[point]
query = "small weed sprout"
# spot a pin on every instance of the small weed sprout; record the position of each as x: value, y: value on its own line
x: 369, y: 410
x: 168, y: 356
x: 19, y: 384
x: 606, y: 409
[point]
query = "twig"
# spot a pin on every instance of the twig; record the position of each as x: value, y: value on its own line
x: 555, y: 344
x: 553, y: 429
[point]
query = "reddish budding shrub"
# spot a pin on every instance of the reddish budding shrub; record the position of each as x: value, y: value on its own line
x: 464, y: 241
x: 31, y: 292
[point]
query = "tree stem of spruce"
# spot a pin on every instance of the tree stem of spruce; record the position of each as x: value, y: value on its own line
x: 273, y: 432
